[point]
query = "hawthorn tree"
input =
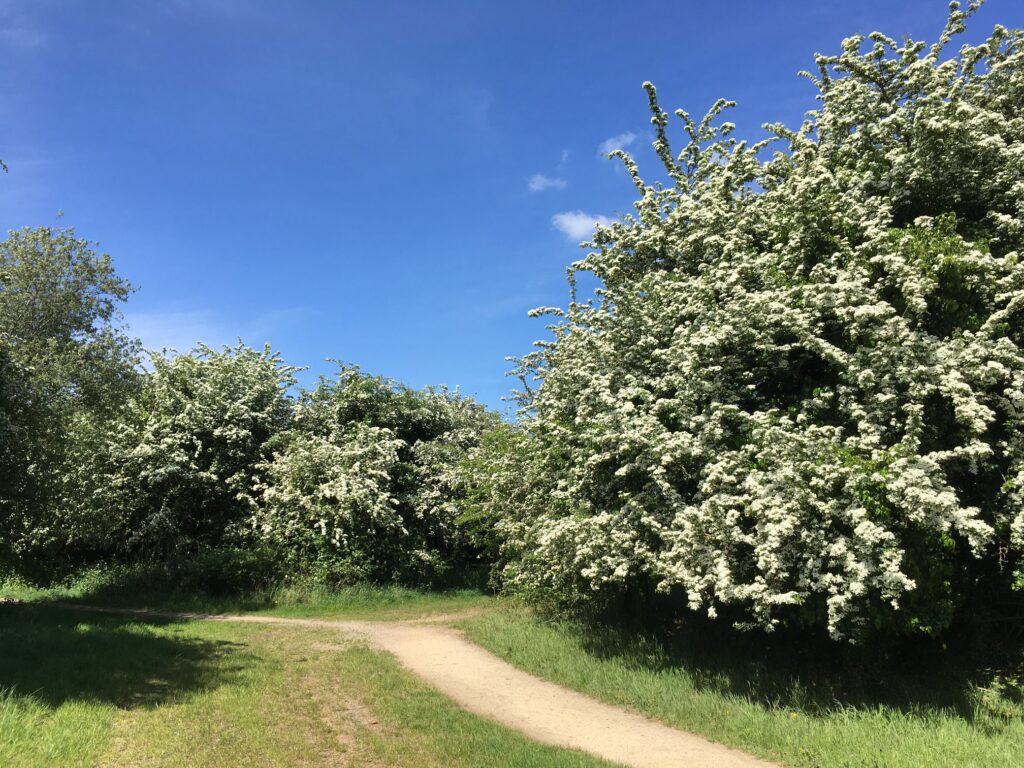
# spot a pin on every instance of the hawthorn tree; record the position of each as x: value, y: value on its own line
x: 177, y: 469
x: 367, y: 480
x: 798, y: 395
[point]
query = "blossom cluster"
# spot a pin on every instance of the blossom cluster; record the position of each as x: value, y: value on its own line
x: 359, y: 475
x: 176, y: 470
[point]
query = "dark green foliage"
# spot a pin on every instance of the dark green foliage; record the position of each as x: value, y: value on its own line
x: 65, y: 367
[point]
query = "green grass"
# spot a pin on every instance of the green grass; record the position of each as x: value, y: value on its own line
x: 84, y: 689
x: 101, y: 690
x: 811, y: 715
x: 144, y: 589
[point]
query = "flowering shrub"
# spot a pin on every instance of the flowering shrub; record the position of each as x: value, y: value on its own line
x: 332, y: 493
x: 799, y: 392
x: 181, y: 463
x: 367, y: 478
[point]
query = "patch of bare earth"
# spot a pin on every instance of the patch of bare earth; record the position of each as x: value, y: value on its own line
x: 344, y: 720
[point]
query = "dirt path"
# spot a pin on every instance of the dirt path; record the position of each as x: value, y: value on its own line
x: 485, y: 685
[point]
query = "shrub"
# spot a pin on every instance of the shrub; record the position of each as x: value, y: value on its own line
x: 798, y: 394
x: 182, y: 462
x: 367, y: 479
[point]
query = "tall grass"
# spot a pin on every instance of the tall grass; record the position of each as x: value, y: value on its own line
x: 149, y: 586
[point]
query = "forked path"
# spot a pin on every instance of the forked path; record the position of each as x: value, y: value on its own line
x: 485, y: 685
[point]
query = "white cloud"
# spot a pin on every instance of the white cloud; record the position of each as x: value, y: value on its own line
x: 621, y: 141
x: 577, y: 225
x: 539, y: 182
x: 22, y: 36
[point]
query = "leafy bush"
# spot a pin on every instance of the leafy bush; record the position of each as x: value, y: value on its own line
x: 367, y: 478
x: 798, y: 395
x: 229, y: 570
x: 491, y: 487
x: 182, y: 462
x: 18, y: 419
x: 333, y: 495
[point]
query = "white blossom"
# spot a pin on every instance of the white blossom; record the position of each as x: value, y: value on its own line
x: 800, y: 388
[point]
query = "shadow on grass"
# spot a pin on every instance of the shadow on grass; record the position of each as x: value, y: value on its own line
x: 219, y: 586
x: 985, y: 688
x: 157, y: 588
x: 56, y: 656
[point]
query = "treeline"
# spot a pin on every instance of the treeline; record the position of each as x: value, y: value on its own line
x: 797, y: 399
x: 210, y: 451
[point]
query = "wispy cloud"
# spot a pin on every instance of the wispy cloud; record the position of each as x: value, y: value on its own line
x: 231, y: 9
x: 18, y: 29
x: 23, y: 37
x: 539, y: 182
x: 476, y: 104
x: 182, y: 329
x: 577, y: 225
x: 621, y: 141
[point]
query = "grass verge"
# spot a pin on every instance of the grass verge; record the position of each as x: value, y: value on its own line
x: 772, y: 704
x: 805, y: 718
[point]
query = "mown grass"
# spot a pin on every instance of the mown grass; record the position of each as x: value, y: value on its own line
x: 816, y: 714
x: 98, y: 690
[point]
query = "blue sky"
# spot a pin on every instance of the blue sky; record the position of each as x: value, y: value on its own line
x: 391, y: 183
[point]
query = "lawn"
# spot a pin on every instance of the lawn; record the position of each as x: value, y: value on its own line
x: 808, y: 716
x: 98, y: 690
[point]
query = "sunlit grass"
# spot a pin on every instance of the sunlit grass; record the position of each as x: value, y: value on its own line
x: 126, y: 588
x: 97, y: 690
x: 216, y: 685
x: 798, y: 717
